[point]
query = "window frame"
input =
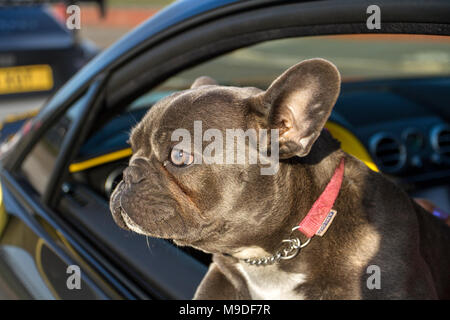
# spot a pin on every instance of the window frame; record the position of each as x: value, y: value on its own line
x: 73, y: 140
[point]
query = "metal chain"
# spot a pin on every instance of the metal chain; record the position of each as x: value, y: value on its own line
x: 288, y: 252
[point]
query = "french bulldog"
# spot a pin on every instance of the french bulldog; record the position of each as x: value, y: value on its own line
x: 378, y: 244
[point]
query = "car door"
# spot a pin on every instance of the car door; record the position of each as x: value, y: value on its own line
x: 37, y: 259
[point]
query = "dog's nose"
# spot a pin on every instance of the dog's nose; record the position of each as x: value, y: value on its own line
x: 133, y: 175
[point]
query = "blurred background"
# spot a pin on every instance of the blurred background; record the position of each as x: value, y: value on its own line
x: 38, y: 53
x: 120, y: 17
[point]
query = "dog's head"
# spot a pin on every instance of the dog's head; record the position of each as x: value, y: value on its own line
x: 181, y: 184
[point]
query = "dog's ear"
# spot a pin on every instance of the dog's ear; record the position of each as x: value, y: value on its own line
x: 203, y: 81
x: 298, y: 103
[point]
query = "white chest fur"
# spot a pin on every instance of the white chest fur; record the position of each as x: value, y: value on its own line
x: 270, y: 282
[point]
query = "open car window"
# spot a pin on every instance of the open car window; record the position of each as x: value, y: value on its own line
x: 357, y: 57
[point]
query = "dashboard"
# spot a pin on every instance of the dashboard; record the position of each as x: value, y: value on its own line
x: 404, y: 125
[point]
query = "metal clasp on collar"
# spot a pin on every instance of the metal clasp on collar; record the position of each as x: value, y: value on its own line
x: 289, y: 252
x: 294, y: 245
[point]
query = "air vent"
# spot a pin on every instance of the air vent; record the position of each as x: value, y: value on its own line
x: 440, y: 140
x: 388, y: 152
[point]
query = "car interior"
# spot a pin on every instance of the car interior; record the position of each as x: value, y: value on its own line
x: 392, y: 114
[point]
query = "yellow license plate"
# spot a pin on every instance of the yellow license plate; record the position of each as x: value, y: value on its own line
x: 26, y: 79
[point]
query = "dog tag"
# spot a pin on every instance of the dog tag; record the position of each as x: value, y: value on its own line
x: 326, y: 223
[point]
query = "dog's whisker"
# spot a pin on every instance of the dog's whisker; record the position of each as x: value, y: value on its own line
x: 148, y: 244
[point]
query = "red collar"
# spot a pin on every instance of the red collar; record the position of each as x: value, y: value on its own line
x: 321, y: 215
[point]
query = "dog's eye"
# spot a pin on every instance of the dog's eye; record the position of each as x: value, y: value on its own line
x: 181, y: 158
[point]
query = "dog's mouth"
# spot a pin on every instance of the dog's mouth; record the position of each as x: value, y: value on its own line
x: 123, y: 220
x: 116, y: 208
x: 120, y: 215
x: 129, y: 223
x: 159, y: 220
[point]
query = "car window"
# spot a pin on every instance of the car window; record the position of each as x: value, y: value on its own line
x: 39, y: 163
x: 356, y: 56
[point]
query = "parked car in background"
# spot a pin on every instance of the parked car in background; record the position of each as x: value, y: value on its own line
x: 58, y: 168
x: 38, y: 54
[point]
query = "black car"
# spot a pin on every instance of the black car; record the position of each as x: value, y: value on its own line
x: 58, y: 170
x: 38, y: 53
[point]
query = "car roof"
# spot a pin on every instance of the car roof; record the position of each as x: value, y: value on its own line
x: 177, y: 12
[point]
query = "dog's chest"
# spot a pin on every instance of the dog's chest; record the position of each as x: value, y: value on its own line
x: 271, y: 283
